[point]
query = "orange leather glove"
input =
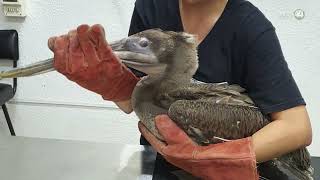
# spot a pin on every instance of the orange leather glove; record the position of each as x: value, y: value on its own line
x: 84, y: 56
x: 231, y: 160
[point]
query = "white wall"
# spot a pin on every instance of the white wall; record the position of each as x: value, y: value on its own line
x: 50, y: 106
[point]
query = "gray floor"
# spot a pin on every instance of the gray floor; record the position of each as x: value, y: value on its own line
x: 30, y: 159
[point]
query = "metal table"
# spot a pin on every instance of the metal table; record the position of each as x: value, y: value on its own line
x: 47, y: 159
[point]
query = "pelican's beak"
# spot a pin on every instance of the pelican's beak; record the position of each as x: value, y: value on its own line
x: 137, y: 53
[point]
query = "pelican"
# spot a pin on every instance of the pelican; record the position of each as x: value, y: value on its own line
x: 207, y: 112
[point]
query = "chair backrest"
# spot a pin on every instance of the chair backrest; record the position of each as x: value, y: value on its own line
x: 9, y: 49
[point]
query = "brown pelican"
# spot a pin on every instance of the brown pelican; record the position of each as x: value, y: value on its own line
x: 207, y: 112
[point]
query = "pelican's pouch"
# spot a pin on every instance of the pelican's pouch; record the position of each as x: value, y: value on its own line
x: 9, y: 44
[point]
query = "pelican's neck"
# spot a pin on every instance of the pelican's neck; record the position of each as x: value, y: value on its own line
x: 176, y: 77
x: 167, y: 80
x: 179, y: 71
x: 184, y: 64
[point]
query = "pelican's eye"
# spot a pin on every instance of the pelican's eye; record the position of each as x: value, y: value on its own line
x: 144, y: 42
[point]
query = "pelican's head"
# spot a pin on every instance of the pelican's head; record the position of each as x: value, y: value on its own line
x: 156, y: 52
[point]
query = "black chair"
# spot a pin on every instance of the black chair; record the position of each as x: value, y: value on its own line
x: 9, y: 50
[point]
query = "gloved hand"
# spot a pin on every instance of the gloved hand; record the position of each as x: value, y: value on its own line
x: 84, y: 56
x: 231, y: 160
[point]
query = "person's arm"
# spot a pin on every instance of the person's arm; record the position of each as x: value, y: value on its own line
x: 289, y: 130
x: 125, y: 106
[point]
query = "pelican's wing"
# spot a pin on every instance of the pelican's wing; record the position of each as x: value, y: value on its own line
x: 206, y: 121
x: 220, y: 93
x: 215, y: 110
x: 298, y: 162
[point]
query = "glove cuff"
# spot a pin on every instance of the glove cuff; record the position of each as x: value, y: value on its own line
x: 123, y: 88
x: 235, y: 158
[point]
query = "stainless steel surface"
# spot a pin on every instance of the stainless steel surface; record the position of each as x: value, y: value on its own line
x: 46, y: 159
